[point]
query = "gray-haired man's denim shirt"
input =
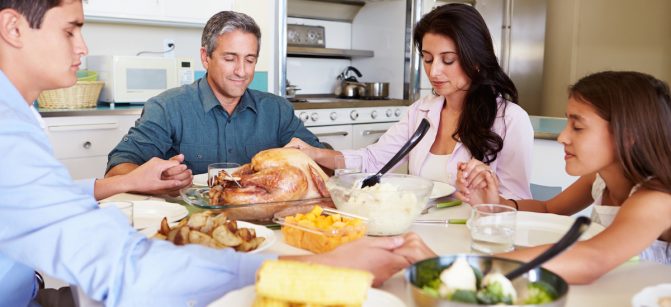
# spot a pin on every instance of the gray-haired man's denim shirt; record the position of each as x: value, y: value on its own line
x: 190, y: 120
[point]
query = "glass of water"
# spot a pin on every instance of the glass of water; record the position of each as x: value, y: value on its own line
x: 126, y: 207
x: 492, y: 228
x: 347, y: 164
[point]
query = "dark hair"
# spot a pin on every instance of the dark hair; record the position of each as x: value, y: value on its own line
x: 33, y: 10
x: 228, y: 21
x: 463, y: 24
x: 638, y: 109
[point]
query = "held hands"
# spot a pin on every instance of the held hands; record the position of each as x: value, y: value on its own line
x: 158, y: 176
x: 476, y: 183
x: 374, y: 255
x: 414, y: 249
x: 306, y: 148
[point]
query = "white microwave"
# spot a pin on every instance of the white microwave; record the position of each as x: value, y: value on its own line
x: 135, y: 79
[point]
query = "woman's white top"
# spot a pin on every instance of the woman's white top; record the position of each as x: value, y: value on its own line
x: 434, y: 168
x: 659, y: 251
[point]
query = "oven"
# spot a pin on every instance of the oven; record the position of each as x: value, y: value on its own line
x: 350, y: 128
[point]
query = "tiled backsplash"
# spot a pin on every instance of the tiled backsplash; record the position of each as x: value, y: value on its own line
x: 318, y: 76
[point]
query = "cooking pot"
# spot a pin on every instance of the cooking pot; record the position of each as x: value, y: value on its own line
x: 371, y: 90
x: 291, y: 90
x: 420, y: 273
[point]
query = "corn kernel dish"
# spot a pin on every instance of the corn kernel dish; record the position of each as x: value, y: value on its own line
x: 321, y: 230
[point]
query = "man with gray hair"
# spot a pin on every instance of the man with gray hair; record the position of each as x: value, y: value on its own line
x: 217, y: 118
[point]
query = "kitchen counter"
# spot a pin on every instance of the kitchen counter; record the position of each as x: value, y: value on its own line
x: 547, y: 128
x: 136, y: 109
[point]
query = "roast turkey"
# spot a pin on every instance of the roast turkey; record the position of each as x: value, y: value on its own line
x: 279, y: 174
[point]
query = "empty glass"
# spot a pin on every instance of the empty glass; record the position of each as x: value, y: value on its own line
x: 126, y: 207
x: 492, y: 228
x: 214, y: 169
x: 347, y: 164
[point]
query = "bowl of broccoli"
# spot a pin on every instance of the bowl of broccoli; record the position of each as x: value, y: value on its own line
x: 468, y: 280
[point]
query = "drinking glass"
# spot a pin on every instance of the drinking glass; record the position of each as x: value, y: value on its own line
x: 492, y: 228
x: 347, y: 164
x: 214, y: 169
x: 126, y: 207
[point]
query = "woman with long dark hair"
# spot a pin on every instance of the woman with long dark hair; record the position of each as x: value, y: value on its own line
x: 473, y: 112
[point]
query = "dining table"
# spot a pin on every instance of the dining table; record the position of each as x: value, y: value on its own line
x: 616, y: 288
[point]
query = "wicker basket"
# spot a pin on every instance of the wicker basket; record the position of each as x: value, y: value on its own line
x: 84, y: 94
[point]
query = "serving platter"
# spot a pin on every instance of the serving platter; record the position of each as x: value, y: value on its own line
x: 245, y: 297
x: 261, y: 212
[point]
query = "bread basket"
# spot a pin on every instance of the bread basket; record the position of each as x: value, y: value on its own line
x: 84, y: 94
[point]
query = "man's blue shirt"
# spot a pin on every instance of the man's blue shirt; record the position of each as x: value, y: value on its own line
x: 190, y: 120
x: 51, y: 224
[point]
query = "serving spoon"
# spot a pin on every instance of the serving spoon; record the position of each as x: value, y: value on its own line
x: 579, y: 226
x: 407, y: 147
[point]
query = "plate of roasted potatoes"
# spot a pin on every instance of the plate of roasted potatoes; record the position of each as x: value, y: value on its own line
x: 216, y: 231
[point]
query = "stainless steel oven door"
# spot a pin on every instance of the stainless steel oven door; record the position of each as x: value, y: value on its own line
x: 366, y: 134
x: 338, y: 137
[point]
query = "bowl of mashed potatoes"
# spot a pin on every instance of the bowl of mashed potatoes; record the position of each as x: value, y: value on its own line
x: 390, y: 206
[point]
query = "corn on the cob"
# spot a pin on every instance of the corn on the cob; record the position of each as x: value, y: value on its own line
x: 300, y: 282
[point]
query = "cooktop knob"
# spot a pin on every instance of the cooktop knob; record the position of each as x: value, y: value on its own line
x: 389, y: 113
x: 397, y: 112
x: 373, y: 114
x: 333, y: 115
x: 304, y: 116
x: 314, y: 117
x: 354, y: 115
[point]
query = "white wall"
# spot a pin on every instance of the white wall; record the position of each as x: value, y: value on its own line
x: 380, y: 26
x: 129, y: 39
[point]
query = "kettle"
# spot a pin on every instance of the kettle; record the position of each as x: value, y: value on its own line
x: 347, y: 85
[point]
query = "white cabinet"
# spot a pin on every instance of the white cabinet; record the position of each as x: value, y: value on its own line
x: 168, y: 12
x: 83, y: 142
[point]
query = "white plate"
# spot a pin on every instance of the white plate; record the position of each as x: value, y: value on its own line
x: 149, y: 213
x: 261, y: 231
x: 441, y: 189
x: 201, y: 179
x: 650, y: 296
x: 245, y: 297
x: 544, y: 228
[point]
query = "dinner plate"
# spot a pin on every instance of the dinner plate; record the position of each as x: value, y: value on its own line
x: 544, y: 228
x: 149, y: 213
x: 260, y: 230
x: 441, y: 189
x: 652, y: 296
x: 245, y: 297
x: 201, y: 179
x: 534, y: 228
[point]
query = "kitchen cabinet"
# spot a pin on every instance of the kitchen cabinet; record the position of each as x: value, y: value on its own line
x: 83, y: 142
x: 157, y: 12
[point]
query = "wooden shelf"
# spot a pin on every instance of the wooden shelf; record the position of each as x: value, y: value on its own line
x: 314, y: 52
